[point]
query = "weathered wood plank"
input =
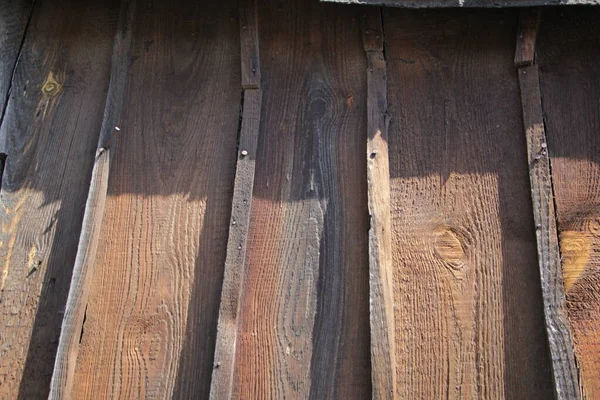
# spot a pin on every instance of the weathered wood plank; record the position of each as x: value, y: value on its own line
x: 383, y: 358
x: 569, y: 65
x: 51, y: 128
x: 152, y: 312
x: 250, y: 56
x: 224, y: 364
x: 14, y: 16
x: 469, y: 316
x: 72, y: 324
x: 559, y: 337
x: 304, y: 316
x: 557, y: 327
x: 465, y: 3
x: 529, y: 22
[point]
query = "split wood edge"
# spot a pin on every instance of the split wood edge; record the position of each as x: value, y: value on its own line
x: 68, y: 345
x: 383, y: 357
x: 565, y: 373
x: 235, y: 262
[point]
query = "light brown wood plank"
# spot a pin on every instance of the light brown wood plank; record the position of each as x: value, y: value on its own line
x: 74, y: 315
x: 51, y: 128
x: 569, y: 62
x: 529, y: 21
x: 151, y: 318
x: 383, y: 358
x: 304, y: 316
x: 469, y: 318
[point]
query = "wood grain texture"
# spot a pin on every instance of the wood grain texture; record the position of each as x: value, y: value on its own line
x: 250, y: 56
x: 529, y: 22
x: 51, y: 128
x: 570, y: 84
x: 14, y: 16
x: 71, y: 330
x: 304, y: 316
x: 559, y: 335
x: 224, y: 364
x: 469, y: 317
x: 151, y: 318
x: 465, y: 3
x: 383, y: 357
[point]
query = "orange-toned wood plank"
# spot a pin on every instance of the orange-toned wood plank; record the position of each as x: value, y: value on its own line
x: 468, y: 310
x: 51, y: 128
x: 569, y: 62
x: 151, y: 318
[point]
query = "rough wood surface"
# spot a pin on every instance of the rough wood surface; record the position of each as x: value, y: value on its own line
x: 469, y: 316
x: 224, y: 364
x: 559, y: 336
x: 14, y: 16
x: 71, y: 330
x: 304, y: 314
x: 383, y: 358
x: 569, y: 65
x: 151, y: 317
x: 465, y: 3
x: 529, y: 21
x: 51, y: 128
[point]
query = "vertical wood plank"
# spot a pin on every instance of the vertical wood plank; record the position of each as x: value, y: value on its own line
x: 151, y: 317
x: 557, y: 327
x: 569, y: 61
x: 383, y: 356
x: 14, y: 16
x: 83, y: 270
x: 303, y: 323
x: 468, y: 311
x: 235, y: 263
x: 51, y: 128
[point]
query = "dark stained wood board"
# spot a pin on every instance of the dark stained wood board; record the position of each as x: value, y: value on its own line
x: 569, y: 62
x: 51, y: 127
x: 151, y: 318
x: 469, y: 319
x: 14, y: 16
x: 304, y: 328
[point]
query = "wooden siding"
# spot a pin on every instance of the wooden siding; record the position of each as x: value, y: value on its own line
x: 297, y: 199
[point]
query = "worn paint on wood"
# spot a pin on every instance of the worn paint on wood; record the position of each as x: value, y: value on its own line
x: 469, y: 315
x: 570, y: 84
x: 383, y: 358
x: 74, y: 317
x: 51, y: 127
x: 304, y: 324
x: 151, y: 318
x: 14, y: 17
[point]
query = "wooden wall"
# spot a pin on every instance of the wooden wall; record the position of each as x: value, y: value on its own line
x: 292, y: 199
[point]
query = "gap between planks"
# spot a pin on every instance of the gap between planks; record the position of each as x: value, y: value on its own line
x: 383, y: 357
x: 564, y: 368
x: 72, y: 325
x: 227, y: 328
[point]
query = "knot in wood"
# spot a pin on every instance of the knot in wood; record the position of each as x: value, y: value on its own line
x: 449, y: 247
